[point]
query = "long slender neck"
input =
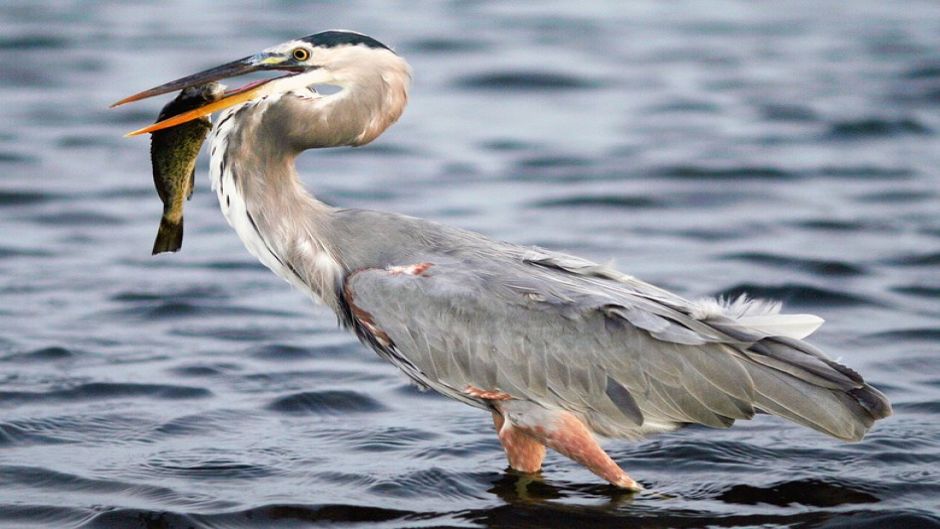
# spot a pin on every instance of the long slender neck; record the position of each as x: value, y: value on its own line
x: 252, y: 169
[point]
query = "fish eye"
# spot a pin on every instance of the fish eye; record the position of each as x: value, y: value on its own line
x: 300, y: 54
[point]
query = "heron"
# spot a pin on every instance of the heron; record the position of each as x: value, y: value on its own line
x: 559, y: 349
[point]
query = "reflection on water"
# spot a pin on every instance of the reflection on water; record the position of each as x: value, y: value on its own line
x: 787, y: 150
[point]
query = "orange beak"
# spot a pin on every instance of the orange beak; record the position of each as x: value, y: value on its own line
x: 233, y: 97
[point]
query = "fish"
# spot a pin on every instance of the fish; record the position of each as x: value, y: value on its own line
x: 173, y: 154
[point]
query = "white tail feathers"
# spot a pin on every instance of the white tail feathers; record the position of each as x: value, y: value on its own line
x: 757, y: 314
x: 797, y: 326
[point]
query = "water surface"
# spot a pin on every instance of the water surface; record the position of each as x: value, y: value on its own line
x: 789, y: 149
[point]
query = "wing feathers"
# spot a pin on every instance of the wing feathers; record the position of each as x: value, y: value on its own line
x: 628, y: 358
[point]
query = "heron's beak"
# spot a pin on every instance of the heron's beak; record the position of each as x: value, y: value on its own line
x: 233, y: 97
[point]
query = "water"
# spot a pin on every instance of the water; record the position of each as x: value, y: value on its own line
x: 788, y: 148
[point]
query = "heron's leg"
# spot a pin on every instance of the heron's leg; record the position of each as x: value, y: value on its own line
x: 526, y: 428
x: 563, y: 432
x: 524, y: 452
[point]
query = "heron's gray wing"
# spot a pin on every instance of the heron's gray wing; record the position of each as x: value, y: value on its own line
x: 626, y: 361
x: 516, y: 331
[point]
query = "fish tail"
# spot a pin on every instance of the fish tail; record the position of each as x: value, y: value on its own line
x: 169, y: 236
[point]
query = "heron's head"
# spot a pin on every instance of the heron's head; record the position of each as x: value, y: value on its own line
x: 340, y: 58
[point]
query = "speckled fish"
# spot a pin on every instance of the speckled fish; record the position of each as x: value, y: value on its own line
x: 173, y: 153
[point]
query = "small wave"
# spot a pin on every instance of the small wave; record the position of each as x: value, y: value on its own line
x: 327, y: 402
x: 598, y: 201
x: 246, y: 264
x: 554, y: 162
x: 203, y: 466
x: 918, y: 291
x: 821, y: 267
x: 173, y: 293
x: 925, y: 71
x: 809, y: 492
x: 46, y: 479
x: 526, y: 81
x: 211, y: 421
x: 925, y: 334
x: 433, y: 482
x: 8, y: 252
x: 919, y: 259
x: 508, y: 145
x: 876, y: 128
x: 784, y: 112
x: 267, y: 516
x: 43, y: 354
x: 693, y: 454
x: 38, y: 515
x: 445, y: 45
x: 685, y: 107
x: 927, y: 407
x: 797, y: 293
x: 22, y: 198
x: 390, y: 439
x: 84, y: 141
x: 233, y: 334
x: 169, y: 310
x: 897, y: 197
x: 204, y: 370
x: 43, y: 41
x: 711, y: 199
x: 78, y: 218
x: 697, y: 172
x: 865, y: 172
x: 90, y: 429
x: 106, y: 390
x: 830, y: 225
x: 282, y: 352
x: 18, y: 433
x: 16, y: 157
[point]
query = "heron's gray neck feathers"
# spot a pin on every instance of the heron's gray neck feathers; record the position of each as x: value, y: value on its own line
x: 262, y: 199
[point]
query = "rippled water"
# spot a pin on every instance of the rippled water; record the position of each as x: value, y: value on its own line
x: 789, y: 149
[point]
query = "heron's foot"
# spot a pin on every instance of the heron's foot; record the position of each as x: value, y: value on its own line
x: 627, y: 483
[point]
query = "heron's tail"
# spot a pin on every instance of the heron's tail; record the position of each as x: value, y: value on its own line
x: 796, y: 381
x: 169, y: 236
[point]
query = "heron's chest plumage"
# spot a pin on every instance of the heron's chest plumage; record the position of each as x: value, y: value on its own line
x: 231, y: 200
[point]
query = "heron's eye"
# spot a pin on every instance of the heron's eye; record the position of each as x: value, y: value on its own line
x: 300, y: 54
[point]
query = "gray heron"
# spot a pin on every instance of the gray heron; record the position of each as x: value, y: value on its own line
x: 559, y: 349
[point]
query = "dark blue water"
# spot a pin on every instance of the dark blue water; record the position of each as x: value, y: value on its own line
x: 789, y: 149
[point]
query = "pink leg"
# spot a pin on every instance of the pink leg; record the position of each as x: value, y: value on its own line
x: 523, y: 451
x: 570, y: 437
x: 525, y: 429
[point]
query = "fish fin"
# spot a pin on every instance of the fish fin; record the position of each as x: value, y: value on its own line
x: 169, y: 236
x: 192, y: 184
